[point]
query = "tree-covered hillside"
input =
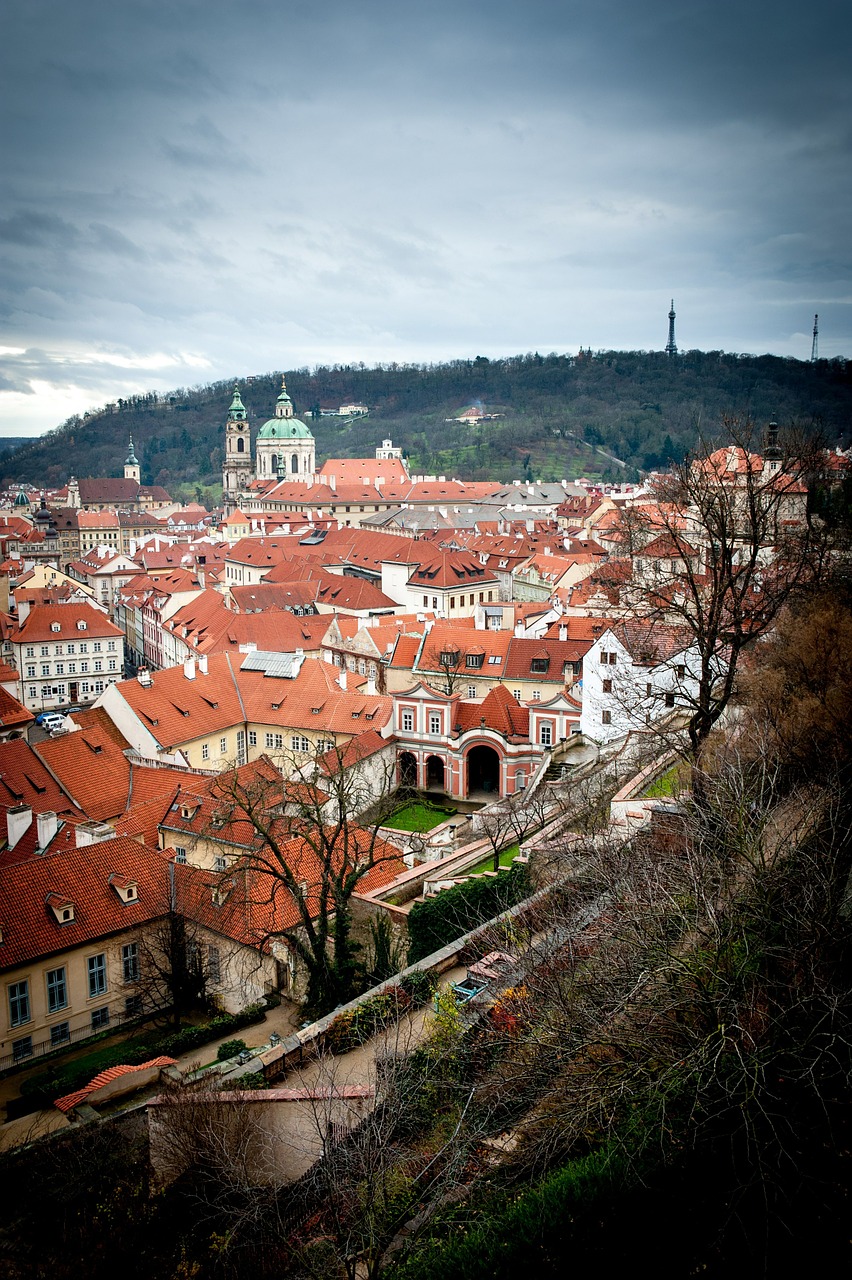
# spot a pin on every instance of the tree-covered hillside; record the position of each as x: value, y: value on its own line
x: 558, y: 413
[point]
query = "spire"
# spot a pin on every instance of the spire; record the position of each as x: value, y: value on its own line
x: 237, y: 410
x: 671, y: 345
x: 132, y: 460
x: 284, y: 405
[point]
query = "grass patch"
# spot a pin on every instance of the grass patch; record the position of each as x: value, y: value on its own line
x: 507, y: 857
x: 417, y: 816
x: 670, y: 783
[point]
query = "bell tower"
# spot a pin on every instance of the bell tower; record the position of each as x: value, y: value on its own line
x: 132, y: 470
x: 237, y: 469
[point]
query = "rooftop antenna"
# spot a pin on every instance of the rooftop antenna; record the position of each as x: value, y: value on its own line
x: 671, y: 345
x: 815, y: 343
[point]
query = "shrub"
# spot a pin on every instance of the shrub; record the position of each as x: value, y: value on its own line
x: 230, y: 1049
x: 435, y: 922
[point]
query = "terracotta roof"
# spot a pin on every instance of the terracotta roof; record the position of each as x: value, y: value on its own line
x: 97, y: 520
x: 666, y: 546
x: 92, y: 767
x: 650, y: 643
x: 12, y: 713
x: 61, y: 623
x: 500, y: 711
x: 72, y: 1100
x: 556, y: 653
x: 360, y: 748
x: 177, y: 710
x: 108, y: 489
x: 80, y: 876
x: 25, y: 780
x: 313, y: 700
x: 364, y: 470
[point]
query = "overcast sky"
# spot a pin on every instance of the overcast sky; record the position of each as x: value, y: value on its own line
x: 197, y: 189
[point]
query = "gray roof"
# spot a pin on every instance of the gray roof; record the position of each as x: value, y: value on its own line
x: 272, y: 664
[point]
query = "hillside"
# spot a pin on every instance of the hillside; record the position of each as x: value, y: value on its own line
x: 557, y: 411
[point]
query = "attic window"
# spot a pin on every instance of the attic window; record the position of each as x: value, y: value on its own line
x: 494, y: 660
x: 82, y: 626
x: 475, y: 660
x: 539, y: 664
x: 56, y: 626
x: 449, y: 657
x: 62, y: 909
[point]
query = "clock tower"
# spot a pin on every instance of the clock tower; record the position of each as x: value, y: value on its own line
x: 237, y: 470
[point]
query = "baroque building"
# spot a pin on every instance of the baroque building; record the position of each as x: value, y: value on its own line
x: 284, y: 448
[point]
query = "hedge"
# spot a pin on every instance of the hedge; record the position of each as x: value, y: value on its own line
x: 61, y: 1079
x: 360, y: 1023
x: 438, y: 921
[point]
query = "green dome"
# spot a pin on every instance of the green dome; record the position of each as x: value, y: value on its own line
x: 284, y: 429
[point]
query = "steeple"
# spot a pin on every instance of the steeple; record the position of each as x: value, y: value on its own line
x: 671, y: 345
x: 237, y: 411
x: 132, y: 470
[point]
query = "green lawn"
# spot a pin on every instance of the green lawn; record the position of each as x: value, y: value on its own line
x: 487, y: 863
x: 418, y: 817
x: 670, y: 783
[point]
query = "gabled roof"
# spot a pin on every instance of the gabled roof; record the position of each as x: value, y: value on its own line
x: 13, y: 714
x: 176, y: 710
x: 652, y: 643
x: 499, y: 711
x: 80, y: 876
x: 25, y: 780
x: 555, y: 653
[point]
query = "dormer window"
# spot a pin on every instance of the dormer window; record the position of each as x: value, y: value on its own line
x: 449, y: 657
x: 539, y: 665
x: 81, y: 625
x: 56, y: 626
x: 62, y: 908
x: 475, y: 660
x: 127, y: 889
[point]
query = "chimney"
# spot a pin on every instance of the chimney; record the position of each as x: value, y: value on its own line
x: 47, y: 824
x: 371, y: 687
x: 341, y: 679
x: 88, y: 833
x: 519, y: 630
x: 202, y: 664
x: 563, y: 632
x: 189, y: 669
x: 23, y: 611
x: 18, y: 821
x: 143, y: 675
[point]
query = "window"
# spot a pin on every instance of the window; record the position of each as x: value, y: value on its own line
x: 111, y: 646
x: 84, y: 667
x: 223, y: 746
x: 31, y: 672
x: 471, y: 690
x: 60, y: 1033
x: 57, y: 990
x: 100, y: 1018
x: 96, y: 966
x: 680, y: 671
x: 30, y: 651
x: 60, y: 668
x: 325, y: 744
x: 606, y: 717
x: 72, y: 668
x: 58, y: 651
x: 516, y: 693
x: 132, y: 1006
x: 180, y: 853
x: 670, y: 699
x: 70, y: 648
x: 205, y: 751
x: 112, y: 664
x: 214, y: 964
x: 81, y: 626
x: 33, y: 690
x: 252, y: 738
x: 19, y: 1003
x: 536, y: 695
x: 425, y: 602
x: 607, y: 686
x: 22, y: 1049
x: 96, y: 647
x: 299, y: 742
x: 408, y: 722
x: 84, y: 648
x: 434, y: 722
x: 99, y: 686
x: 220, y: 862
x: 130, y: 962
x: 275, y: 741
x: 99, y: 665
x: 475, y: 660
x: 545, y: 735
x: 539, y: 665
x: 452, y: 602
x: 45, y: 650
x: 45, y: 669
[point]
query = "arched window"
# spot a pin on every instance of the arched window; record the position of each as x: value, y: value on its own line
x: 294, y: 463
x: 273, y: 464
x: 241, y: 445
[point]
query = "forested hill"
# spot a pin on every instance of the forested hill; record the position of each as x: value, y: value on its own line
x: 557, y: 412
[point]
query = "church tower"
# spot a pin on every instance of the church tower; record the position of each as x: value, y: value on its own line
x: 132, y: 470
x: 236, y: 472
x: 285, y: 448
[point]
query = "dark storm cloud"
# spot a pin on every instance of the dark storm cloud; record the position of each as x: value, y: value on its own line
x: 217, y: 187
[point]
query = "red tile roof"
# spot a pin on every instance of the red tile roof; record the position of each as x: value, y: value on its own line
x: 25, y: 780
x: 13, y: 715
x: 62, y: 622
x: 72, y: 1100
x: 499, y: 710
x: 80, y: 876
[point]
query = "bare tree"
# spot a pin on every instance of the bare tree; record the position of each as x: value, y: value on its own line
x: 307, y: 852
x: 447, y: 659
x: 739, y: 546
x: 510, y: 821
x: 164, y: 964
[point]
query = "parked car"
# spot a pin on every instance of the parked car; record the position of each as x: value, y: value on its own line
x: 50, y: 720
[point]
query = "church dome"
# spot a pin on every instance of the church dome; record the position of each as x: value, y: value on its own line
x: 284, y: 429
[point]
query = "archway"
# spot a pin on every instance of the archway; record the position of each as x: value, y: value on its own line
x: 407, y: 766
x: 483, y: 771
x: 434, y: 774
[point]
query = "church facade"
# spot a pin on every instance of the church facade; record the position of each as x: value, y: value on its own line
x: 284, y: 449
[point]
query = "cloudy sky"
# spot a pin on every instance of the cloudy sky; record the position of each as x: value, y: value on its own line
x: 196, y: 189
